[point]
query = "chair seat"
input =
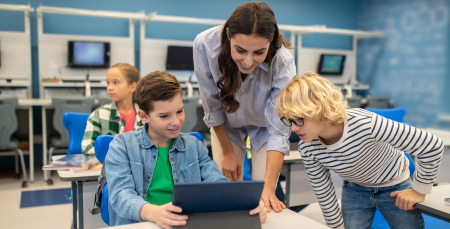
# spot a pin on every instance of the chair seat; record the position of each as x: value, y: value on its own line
x: 13, y: 144
x: 56, y: 141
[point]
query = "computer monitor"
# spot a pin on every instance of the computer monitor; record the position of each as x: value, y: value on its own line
x: 84, y: 54
x: 179, y: 58
x: 331, y: 64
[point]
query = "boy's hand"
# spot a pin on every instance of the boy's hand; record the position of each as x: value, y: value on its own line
x: 406, y: 199
x: 165, y: 217
x: 261, y: 210
x: 231, y: 166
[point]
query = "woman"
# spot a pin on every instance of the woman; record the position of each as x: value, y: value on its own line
x: 241, y: 68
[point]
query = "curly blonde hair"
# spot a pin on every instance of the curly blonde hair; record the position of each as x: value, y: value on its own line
x: 313, y: 97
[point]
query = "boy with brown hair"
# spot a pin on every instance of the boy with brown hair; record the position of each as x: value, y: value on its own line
x: 142, y: 166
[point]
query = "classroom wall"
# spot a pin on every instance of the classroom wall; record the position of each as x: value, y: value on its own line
x: 334, y: 14
x: 410, y: 64
x: 340, y: 14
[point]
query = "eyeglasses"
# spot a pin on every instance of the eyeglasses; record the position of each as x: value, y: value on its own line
x: 288, y: 122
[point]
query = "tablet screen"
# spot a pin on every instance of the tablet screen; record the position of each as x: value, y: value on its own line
x: 217, y: 196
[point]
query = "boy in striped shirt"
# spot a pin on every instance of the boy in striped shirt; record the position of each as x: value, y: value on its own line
x: 365, y: 149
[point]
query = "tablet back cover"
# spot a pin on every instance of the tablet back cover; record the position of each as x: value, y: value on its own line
x: 217, y: 196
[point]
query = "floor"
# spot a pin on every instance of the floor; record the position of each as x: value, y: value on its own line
x: 42, y: 217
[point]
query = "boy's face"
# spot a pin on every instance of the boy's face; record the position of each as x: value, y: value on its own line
x: 309, y: 131
x: 166, y: 119
x: 117, y: 85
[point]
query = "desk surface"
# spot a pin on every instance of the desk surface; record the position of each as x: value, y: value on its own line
x: 284, y: 219
x: 293, y: 158
x: 442, y: 134
x: 434, y: 202
x: 67, y: 175
x: 35, y: 102
x: 40, y: 102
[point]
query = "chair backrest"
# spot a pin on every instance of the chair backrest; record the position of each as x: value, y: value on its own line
x: 75, y: 124
x: 190, y: 112
x: 104, y: 100
x: 101, y: 146
x: 378, y: 102
x: 8, y: 122
x: 395, y: 114
x: 68, y: 104
x: 354, y: 102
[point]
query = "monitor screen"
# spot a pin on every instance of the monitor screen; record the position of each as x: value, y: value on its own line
x: 89, y: 54
x: 179, y: 58
x: 331, y: 64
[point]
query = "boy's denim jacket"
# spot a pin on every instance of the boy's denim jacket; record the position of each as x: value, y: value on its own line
x: 130, y: 163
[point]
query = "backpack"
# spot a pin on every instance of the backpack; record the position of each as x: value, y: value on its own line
x: 95, y: 209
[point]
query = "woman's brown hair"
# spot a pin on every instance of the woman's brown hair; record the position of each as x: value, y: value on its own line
x: 130, y: 72
x: 249, y: 18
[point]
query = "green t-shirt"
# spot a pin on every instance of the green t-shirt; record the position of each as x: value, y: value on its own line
x: 160, y: 190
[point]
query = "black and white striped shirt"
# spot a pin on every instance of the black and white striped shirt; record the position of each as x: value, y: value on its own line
x: 370, y: 153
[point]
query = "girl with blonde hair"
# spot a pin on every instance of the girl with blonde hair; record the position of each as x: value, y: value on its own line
x: 365, y: 149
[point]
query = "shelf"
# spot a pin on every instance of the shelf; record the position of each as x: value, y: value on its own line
x: 95, y: 13
x: 16, y: 7
x: 73, y: 84
x: 14, y: 83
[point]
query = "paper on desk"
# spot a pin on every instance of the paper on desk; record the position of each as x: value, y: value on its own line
x: 75, y: 162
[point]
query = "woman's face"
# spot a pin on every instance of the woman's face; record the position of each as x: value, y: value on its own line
x: 248, y: 51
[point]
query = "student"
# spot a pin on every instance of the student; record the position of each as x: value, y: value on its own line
x: 119, y: 116
x: 142, y: 166
x: 365, y: 149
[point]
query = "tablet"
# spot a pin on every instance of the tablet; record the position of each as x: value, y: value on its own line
x: 217, y: 196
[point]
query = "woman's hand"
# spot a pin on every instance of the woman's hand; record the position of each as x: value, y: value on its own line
x: 261, y: 210
x: 163, y: 215
x: 231, y: 166
x: 269, y: 198
x: 406, y: 199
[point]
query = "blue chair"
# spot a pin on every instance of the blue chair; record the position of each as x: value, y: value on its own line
x: 101, y: 149
x: 395, y: 114
x: 75, y: 123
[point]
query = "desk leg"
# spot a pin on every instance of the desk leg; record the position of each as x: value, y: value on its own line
x: 80, y: 204
x: 288, y: 186
x: 31, y: 142
x: 74, y: 204
x: 44, y: 142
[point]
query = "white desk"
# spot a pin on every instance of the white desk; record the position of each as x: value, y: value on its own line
x: 284, y: 219
x: 434, y: 203
x: 86, y: 184
x: 298, y: 188
x: 28, y: 104
x: 444, y: 171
